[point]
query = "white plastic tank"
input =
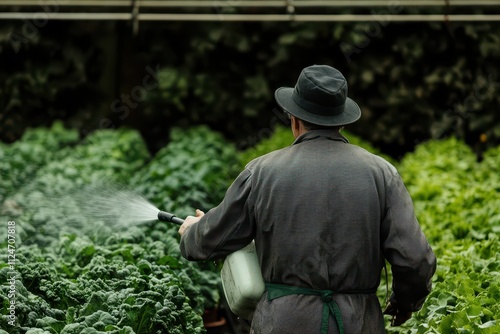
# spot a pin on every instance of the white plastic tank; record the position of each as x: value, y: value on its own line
x: 242, y: 281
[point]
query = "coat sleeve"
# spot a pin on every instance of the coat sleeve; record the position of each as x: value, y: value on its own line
x: 406, y: 248
x: 224, y: 229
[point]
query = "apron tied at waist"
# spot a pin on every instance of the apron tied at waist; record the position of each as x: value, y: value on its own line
x: 329, y: 307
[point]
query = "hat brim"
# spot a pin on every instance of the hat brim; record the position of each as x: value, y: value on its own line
x: 351, y: 113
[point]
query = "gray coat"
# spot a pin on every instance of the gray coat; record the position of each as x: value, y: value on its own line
x: 324, y: 214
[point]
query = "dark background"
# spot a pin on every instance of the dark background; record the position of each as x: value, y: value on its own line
x: 413, y: 81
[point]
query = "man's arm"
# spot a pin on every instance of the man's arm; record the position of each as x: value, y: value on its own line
x: 412, y: 260
x: 222, y: 230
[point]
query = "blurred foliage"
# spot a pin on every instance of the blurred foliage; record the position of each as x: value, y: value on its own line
x: 46, y: 76
x: 413, y: 81
x: 281, y: 138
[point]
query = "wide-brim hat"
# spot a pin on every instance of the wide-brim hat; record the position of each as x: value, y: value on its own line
x: 319, y: 97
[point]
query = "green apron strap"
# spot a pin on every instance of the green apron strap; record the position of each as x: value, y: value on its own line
x: 329, y: 307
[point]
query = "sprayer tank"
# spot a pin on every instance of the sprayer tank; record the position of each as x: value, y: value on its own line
x: 242, y: 281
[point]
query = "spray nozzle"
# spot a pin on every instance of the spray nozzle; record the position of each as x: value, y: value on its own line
x: 169, y: 218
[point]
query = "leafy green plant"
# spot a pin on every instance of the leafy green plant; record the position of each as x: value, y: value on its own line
x: 20, y: 161
x: 80, y: 275
x: 192, y: 171
x: 47, y: 73
x: 457, y: 205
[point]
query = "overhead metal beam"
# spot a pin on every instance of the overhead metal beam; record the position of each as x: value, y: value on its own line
x: 130, y: 10
x: 248, y: 17
x: 251, y: 3
x: 316, y: 18
x: 67, y: 16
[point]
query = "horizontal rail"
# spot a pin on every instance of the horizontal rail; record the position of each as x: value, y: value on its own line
x: 250, y: 3
x: 248, y: 17
x: 315, y: 18
x: 67, y: 16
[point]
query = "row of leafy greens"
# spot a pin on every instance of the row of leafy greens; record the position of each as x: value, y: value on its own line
x: 81, y: 275
x: 75, y: 274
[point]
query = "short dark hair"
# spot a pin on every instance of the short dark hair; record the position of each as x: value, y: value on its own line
x: 309, y: 126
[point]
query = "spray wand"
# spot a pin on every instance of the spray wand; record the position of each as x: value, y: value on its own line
x: 169, y: 218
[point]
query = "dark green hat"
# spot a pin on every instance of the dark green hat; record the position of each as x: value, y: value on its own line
x: 319, y: 97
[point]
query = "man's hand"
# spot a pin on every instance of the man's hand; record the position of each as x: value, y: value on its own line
x: 398, y: 317
x: 190, y: 220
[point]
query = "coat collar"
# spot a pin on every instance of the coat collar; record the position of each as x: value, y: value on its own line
x: 325, y: 133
